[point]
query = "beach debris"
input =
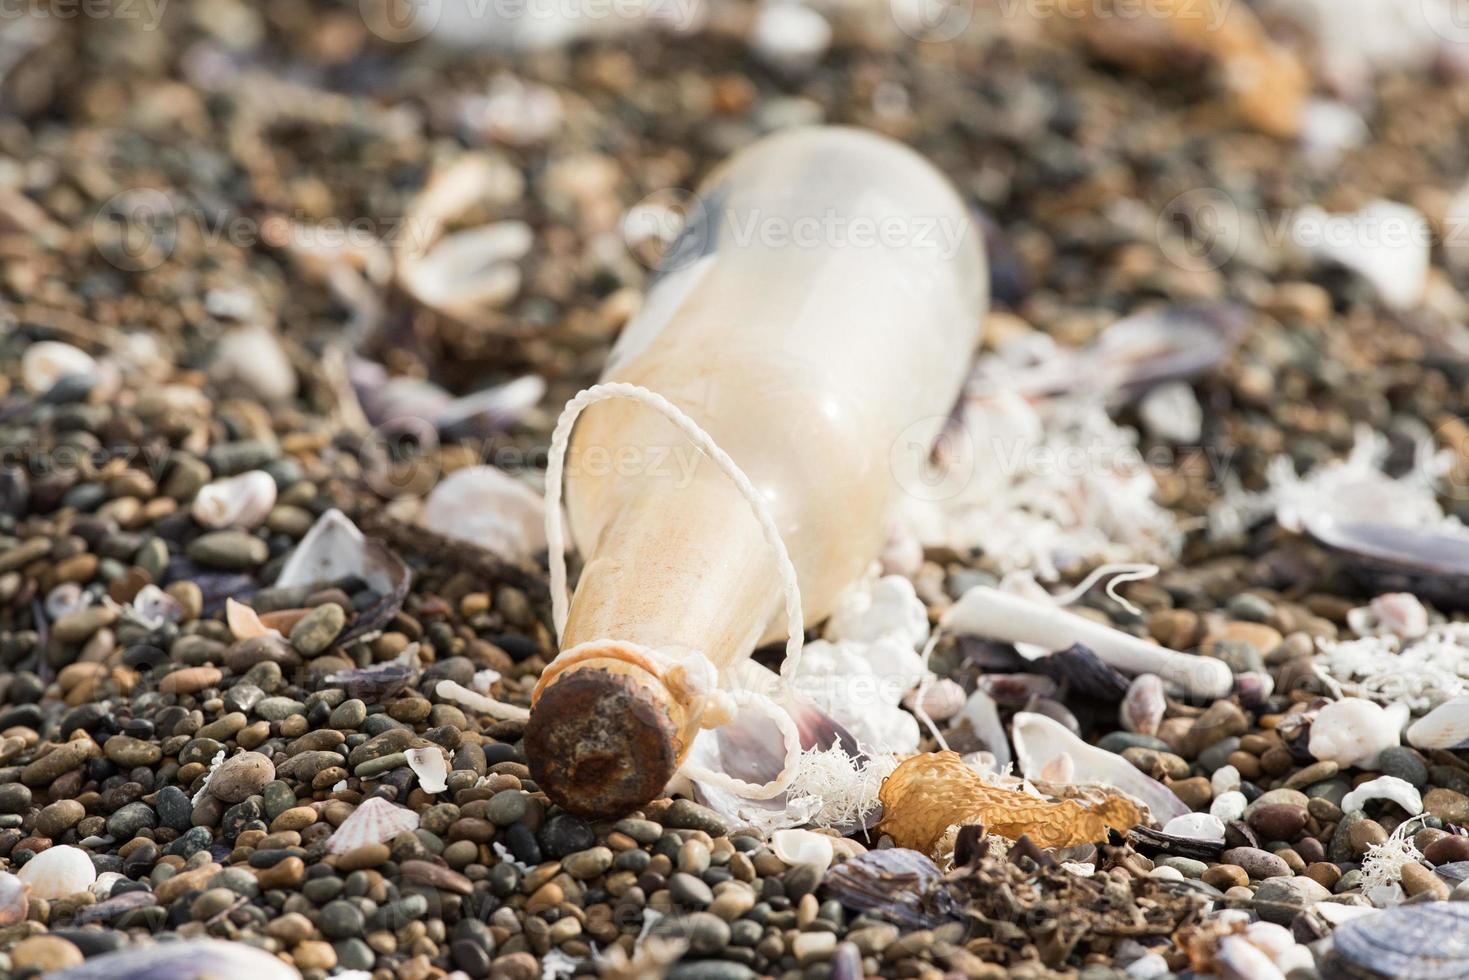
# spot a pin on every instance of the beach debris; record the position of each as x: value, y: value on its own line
x: 1445, y: 727
x: 380, y: 681
x: 58, y: 872
x: 252, y: 356
x: 898, y: 884
x: 244, y: 622
x: 334, y: 550
x: 474, y: 701
x: 375, y: 821
x: 930, y: 794
x: 982, y: 713
x: 1143, y: 705
x: 48, y: 361
x: 1196, y: 826
x: 192, y: 959
x: 1399, y: 614
x: 469, y: 274
x: 1428, y: 940
x: 401, y: 402
x: 1383, y: 864
x: 1355, y: 731
x: 1387, y: 243
x: 1399, y: 791
x: 429, y: 766
x: 242, y: 501
x: 490, y: 509
x: 14, y: 899
x: 1046, y: 750
x: 796, y: 847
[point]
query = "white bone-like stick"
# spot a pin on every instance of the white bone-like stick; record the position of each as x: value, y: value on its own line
x: 987, y: 612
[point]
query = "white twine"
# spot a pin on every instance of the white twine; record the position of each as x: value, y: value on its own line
x: 691, y: 668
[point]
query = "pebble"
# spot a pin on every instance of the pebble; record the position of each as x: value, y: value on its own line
x: 241, y: 776
x: 230, y: 550
x: 1404, y: 763
x: 1278, y: 821
x: 1418, y: 880
x: 45, y: 954
x: 318, y: 628
x: 689, y: 891
x: 1279, y: 900
x: 1257, y: 863
x: 1447, y: 805
x: 688, y: 815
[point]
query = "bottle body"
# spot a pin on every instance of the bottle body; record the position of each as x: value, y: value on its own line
x: 817, y: 318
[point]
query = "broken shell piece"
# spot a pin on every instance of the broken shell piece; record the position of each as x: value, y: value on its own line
x: 244, y: 622
x: 47, y: 362
x: 58, y: 872
x: 375, y: 821
x: 252, y: 355
x: 930, y: 793
x: 988, y: 612
x: 380, y: 680
x: 1354, y: 731
x: 894, y: 883
x: 1445, y: 727
x: 429, y: 766
x: 483, y: 680
x: 334, y: 549
x: 983, y: 715
x: 1395, y: 614
x: 1238, y: 958
x: 1399, y: 791
x: 1196, y: 826
x: 1143, y: 705
x: 152, y: 608
x: 1427, y: 561
x: 1039, y: 740
x: 194, y: 959
x: 1396, y: 264
x: 472, y: 273
x: 796, y: 847
x: 489, y: 509
x: 241, y: 501
x: 459, y: 694
x: 942, y: 699
x: 68, y: 597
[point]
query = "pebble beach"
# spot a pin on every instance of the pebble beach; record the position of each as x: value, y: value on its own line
x: 273, y: 576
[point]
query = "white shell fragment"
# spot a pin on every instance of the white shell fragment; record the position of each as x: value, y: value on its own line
x: 796, y: 847
x: 375, y: 821
x: 1143, y: 705
x: 1385, y: 242
x: 887, y: 607
x: 1039, y: 740
x: 1354, y: 731
x: 244, y: 622
x: 253, y: 356
x: 459, y: 694
x: 58, y: 872
x: 428, y: 765
x: 471, y: 273
x: 241, y: 501
x: 988, y: 612
x: 1445, y: 727
x: 1196, y: 826
x: 1398, y: 614
x: 1400, y: 791
x: 983, y: 715
x: 47, y: 362
x: 489, y: 509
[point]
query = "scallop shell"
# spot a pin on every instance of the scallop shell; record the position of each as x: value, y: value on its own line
x: 428, y: 765
x: 796, y: 847
x: 1354, y: 731
x: 195, y: 959
x: 242, y: 501
x: 1445, y: 727
x: 489, y: 509
x: 1038, y: 740
x: 1143, y: 706
x: 14, y: 899
x: 1400, y: 791
x: 58, y: 872
x: 375, y: 821
x: 47, y: 362
x: 1426, y: 941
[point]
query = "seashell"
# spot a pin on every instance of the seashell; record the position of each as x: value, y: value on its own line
x: 1396, y: 265
x: 194, y: 959
x: 983, y: 716
x: 1038, y: 740
x: 428, y: 765
x: 490, y: 509
x: 492, y: 409
x: 375, y: 821
x: 846, y: 963
x: 58, y: 872
x: 1400, y: 791
x: 241, y: 501
x: 472, y: 273
x: 1142, y: 707
x: 1445, y: 727
x: 1196, y: 826
x: 1081, y: 671
x: 1056, y: 711
x: 380, y: 680
x: 111, y: 907
x: 45, y: 363
x: 244, y: 622
x: 1016, y: 690
x: 796, y: 847
x: 1453, y: 872
x: 1354, y: 731
x: 334, y: 549
x: 1240, y: 959
x: 459, y: 694
x: 154, y: 608
x: 483, y: 680
x: 897, y: 884
x: 942, y: 699
x: 253, y: 356
x: 1427, y: 941
x: 989, y: 612
x: 1395, y: 614
x: 14, y: 899
x: 1229, y: 806
x: 1335, y: 913
x: 68, y: 597
x: 1429, y: 562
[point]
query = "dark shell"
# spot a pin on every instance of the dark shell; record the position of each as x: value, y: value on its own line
x: 1015, y: 690
x: 1079, y: 671
x: 376, y: 682
x: 1453, y: 872
x: 896, y: 884
x: 1432, y: 565
x: 113, y: 907
x: 1425, y: 942
x: 992, y: 657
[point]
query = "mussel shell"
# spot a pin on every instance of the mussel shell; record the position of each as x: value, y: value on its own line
x: 1384, y: 558
x: 1427, y: 942
x: 1080, y: 671
x: 199, y: 959
x: 897, y: 884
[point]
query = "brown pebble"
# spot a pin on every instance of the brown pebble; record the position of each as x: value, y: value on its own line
x: 1324, y: 873
x: 286, y: 873
x: 1418, y: 880
x: 1364, y: 834
x: 1195, y: 793
x: 366, y: 856
x: 314, y: 955
x: 190, y: 680
x: 1314, y: 773
x: 515, y: 966
x: 296, y: 818
x: 291, y: 928
x: 1278, y: 821
x: 1226, y: 876
x: 1276, y: 760
x: 1447, y: 805
x: 1447, y: 849
x: 45, y: 954
x: 1248, y: 765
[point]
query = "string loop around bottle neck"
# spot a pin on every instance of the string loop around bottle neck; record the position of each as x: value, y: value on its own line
x: 555, y: 538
